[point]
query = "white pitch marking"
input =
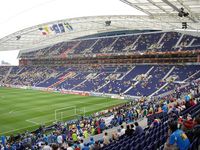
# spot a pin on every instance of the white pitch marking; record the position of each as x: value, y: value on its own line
x: 10, y: 112
x: 32, y: 122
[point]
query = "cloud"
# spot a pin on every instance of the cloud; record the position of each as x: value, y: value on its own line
x: 9, y: 56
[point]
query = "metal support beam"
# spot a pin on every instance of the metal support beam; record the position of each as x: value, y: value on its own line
x: 178, y: 9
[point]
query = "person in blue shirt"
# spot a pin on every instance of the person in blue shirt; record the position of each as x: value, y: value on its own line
x: 178, y: 137
x: 102, y: 125
x: 86, y: 147
x: 91, y: 141
x: 138, y: 129
x: 3, y: 140
x: 165, y: 108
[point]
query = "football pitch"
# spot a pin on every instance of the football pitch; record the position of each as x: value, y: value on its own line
x: 22, y: 110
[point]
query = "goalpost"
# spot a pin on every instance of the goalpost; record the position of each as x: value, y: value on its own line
x: 66, y: 112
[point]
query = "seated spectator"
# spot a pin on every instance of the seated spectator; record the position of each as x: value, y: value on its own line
x: 187, y: 104
x: 180, y: 120
x: 115, y: 136
x: 160, y: 110
x: 76, y: 147
x: 101, y: 143
x: 150, y: 112
x: 85, y: 134
x: 145, y: 112
x: 59, y: 139
x: 195, y: 132
x: 86, y: 147
x: 138, y: 129
x: 177, y: 139
x: 155, y: 123
x: 175, y: 110
x: 188, y: 123
x: 122, y: 132
x: 119, y: 132
x: 96, y: 146
x: 69, y: 147
x: 192, y: 103
x: 173, y: 116
x: 54, y: 147
x: 91, y: 141
x: 165, y: 108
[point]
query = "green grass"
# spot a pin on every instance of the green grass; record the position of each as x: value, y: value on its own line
x: 26, y: 109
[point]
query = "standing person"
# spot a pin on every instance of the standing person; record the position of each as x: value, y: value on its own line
x: 177, y: 138
x: 85, y: 134
x: 81, y: 144
x: 106, y: 139
x: 132, y: 128
x: 74, y: 137
x: 46, y: 147
x: 3, y: 140
x: 128, y: 131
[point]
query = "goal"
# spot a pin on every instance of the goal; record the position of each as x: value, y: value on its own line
x: 65, y: 113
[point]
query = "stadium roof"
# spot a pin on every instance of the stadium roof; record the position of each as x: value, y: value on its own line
x: 160, y: 15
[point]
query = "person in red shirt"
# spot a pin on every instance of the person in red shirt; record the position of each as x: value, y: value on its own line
x: 188, y: 124
x: 180, y: 120
x: 192, y: 103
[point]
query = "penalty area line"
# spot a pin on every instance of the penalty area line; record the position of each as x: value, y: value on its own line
x: 36, y: 123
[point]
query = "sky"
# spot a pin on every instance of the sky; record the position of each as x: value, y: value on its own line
x: 16, y: 15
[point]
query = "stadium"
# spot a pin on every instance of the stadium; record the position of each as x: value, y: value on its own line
x: 107, y: 82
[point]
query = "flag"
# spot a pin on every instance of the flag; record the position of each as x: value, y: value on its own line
x: 56, y: 28
x: 62, y: 28
x: 43, y: 31
x: 68, y: 26
x: 47, y: 29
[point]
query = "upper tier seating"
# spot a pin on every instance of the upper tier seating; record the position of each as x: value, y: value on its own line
x: 145, y: 42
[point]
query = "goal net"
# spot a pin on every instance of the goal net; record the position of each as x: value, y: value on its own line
x: 68, y: 113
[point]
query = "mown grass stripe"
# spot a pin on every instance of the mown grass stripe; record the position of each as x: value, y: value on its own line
x: 18, y: 105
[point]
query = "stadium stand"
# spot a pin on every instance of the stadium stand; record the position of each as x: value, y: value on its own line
x: 145, y: 42
x: 138, y: 80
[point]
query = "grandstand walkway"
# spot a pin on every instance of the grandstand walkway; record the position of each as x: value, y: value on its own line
x: 142, y: 123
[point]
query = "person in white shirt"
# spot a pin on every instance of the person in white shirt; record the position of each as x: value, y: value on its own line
x: 69, y: 146
x: 60, y: 139
x: 46, y: 147
x: 81, y: 144
x: 122, y: 130
x: 106, y: 139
